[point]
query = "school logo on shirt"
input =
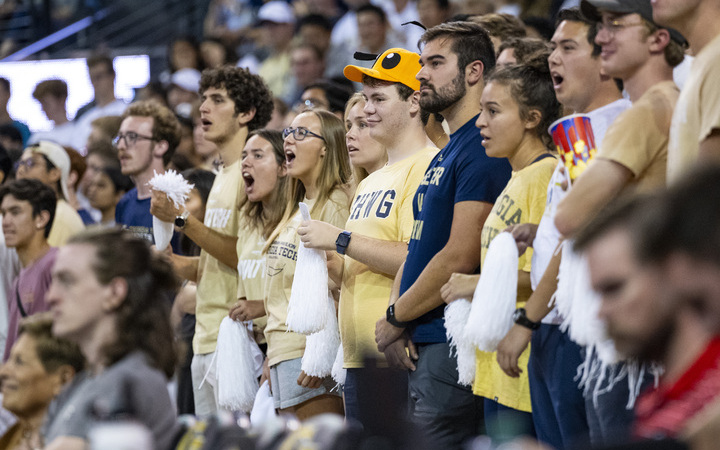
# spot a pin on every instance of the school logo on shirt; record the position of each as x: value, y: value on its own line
x: 418, y: 224
x: 508, y: 212
x: 280, y: 249
x: 141, y: 232
x: 378, y: 203
x: 250, y: 268
x: 432, y: 176
x: 217, y: 217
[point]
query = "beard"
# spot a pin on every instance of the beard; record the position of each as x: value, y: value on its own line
x: 441, y: 99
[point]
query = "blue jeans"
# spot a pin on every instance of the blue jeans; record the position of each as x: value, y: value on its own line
x: 448, y: 413
x: 558, y: 404
x: 609, y: 420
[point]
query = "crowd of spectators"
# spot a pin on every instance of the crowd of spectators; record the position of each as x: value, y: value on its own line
x: 462, y: 280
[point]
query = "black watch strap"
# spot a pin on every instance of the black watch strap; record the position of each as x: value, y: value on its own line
x: 520, y: 318
x: 181, y: 220
x: 390, y: 317
x: 342, y: 242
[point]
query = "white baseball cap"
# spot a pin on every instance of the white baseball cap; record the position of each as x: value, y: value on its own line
x: 276, y: 11
x: 58, y: 157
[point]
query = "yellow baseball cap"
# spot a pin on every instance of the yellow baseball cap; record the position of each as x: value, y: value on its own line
x: 396, y: 65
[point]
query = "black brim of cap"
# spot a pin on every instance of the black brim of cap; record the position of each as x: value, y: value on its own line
x: 591, y: 8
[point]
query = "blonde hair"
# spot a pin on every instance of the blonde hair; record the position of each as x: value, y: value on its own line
x: 335, y: 172
x: 359, y: 173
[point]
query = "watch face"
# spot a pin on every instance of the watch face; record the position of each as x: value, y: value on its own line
x: 516, y: 315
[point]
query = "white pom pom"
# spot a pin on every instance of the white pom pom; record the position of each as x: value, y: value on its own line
x: 495, y: 295
x: 580, y: 317
x: 321, y: 348
x: 177, y: 190
x: 173, y: 185
x: 162, y: 233
x: 338, y: 373
x: 236, y: 372
x: 307, y: 313
x: 456, y: 316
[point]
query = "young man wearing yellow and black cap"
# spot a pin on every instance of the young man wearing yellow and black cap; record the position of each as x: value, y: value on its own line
x: 381, y: 217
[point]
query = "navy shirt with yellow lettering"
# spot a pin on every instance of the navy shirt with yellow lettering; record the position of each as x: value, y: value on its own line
x: 460, y: 172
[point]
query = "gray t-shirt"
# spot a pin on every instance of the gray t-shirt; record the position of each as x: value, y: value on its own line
x: 130, y: 385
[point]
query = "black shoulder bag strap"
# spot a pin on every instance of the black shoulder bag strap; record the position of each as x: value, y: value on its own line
x: 19, y: 303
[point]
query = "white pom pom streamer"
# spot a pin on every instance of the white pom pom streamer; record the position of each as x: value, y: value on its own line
x: 456, y: 316
x: 321, y: 348
x: 307, y: 312
x: 177, y: 190
x: 162, y: 233
x: 338, y: 373
x: 236, y: 366
x: 495, y: 295
x: 579, y: 305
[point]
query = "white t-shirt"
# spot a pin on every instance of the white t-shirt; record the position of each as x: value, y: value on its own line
x: 548, y: 236
x: 62, y: 134
x: 83, y: 124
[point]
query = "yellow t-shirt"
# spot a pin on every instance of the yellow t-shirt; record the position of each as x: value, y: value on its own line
x: 217, y: 283
x: 251, y: 272
x: 67, y: 223
x: 284, y: 345
x: 382, y: 209
x: 697, y: 112
x: 522, y: 201
x: 638, y: 138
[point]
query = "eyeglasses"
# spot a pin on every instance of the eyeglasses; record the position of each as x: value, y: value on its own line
x: 130, y: 138
x: 32, y: 162
x: 613, y: 26
x: 28, y: 164
x: 300, y: 133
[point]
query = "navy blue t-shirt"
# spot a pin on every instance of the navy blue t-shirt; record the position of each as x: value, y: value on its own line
x: 460, y: 172
x: 134, y: 215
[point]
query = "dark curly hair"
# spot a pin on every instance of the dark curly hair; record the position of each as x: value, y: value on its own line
x: 142, y: 319
x: 246, y: 90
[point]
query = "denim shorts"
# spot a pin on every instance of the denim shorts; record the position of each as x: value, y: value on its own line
x: 287, y: 392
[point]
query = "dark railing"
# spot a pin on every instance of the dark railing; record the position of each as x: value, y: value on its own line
x: 127, y: 23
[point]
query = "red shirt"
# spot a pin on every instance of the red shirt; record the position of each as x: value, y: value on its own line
x: 663, y: 412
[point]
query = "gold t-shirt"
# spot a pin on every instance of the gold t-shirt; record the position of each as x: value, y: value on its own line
x: 284, y: 345
x: 522, y: 201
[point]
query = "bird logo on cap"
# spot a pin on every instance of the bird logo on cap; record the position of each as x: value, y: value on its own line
x: 396, y: 65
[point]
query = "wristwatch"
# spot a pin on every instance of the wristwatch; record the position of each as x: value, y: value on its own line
x: 390, y: 317
x: 520, y: 318
x: 342, y: 242
x: 181, y: 220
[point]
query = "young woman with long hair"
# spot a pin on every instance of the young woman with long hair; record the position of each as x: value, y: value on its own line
x: 319, y: 170
x: 261, y: 209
